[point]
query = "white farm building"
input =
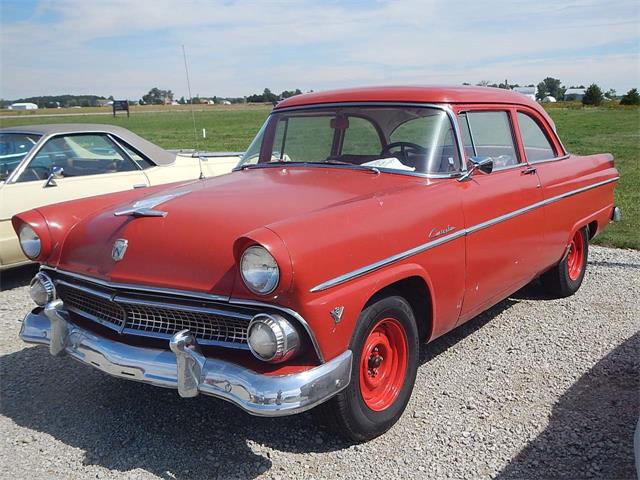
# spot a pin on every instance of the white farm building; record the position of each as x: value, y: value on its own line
x: 23, y: 106
x: 574, y: 94
x: 526, y: 91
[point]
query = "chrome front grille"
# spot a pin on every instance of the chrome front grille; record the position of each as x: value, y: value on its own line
x: 133, y: 316
x: 101, y: 309
x: 204, y: 325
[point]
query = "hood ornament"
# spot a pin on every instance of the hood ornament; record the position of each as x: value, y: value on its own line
x: 144, y: 207
x: 119, y: 249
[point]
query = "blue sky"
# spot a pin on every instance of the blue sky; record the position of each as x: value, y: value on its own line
x: 124, y: 48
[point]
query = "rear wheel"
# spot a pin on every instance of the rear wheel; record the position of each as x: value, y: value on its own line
x: 385, y: 360
x: 566, y: 277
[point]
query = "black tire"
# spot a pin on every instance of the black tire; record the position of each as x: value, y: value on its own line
x: 558, y: 282
x: 347, y: 414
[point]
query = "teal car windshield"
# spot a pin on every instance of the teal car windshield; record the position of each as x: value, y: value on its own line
x: 13, y: 148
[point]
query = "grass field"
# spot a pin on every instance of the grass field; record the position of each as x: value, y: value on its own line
x: 231, y: 128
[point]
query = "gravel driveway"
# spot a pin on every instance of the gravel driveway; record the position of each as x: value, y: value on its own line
x: 533, y: 388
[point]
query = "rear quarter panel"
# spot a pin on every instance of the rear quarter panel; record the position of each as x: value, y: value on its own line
x: 564, y: 216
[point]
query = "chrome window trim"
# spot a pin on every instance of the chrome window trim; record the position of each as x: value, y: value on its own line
x: 447, y: 238
x: 547, y: 160
x: 195, y: 295
x: 45, y: 138
x: 438, y: 106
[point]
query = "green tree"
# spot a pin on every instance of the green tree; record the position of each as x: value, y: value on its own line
x: 158, y: 97
x: 610, y: 94
x: 592, y: 95
x: 632, y: 97
x: 550, y: 86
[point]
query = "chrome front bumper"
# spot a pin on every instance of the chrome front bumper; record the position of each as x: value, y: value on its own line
x: 186, y: 369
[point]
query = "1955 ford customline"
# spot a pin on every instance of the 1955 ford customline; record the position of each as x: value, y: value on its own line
x: 358, y: 224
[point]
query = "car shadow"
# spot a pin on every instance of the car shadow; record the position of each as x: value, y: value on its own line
x: 440, y: 345
x: 17, y: 277
x: 590, y: 431
x: 123, y: 425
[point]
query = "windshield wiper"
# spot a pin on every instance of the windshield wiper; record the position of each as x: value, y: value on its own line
x: 353, y: 165
x: 297, y: 164
x: 272, y: 163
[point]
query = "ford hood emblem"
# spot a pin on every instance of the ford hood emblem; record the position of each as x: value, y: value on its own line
x: 119, y: 249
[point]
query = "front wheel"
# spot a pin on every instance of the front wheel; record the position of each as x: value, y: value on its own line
x: 566, y: 277
x: 385, y: 361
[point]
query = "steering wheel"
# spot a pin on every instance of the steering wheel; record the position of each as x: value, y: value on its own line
x: 404, y: 146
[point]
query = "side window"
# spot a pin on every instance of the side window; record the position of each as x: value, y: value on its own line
x: 142, y: 161
x: 78, y: 155
x: 361, y: 138
x: 490, y: 135
x: 536, y: 144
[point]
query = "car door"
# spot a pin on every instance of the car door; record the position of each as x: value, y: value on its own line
x: 504, y: 236
x: 92, y: 164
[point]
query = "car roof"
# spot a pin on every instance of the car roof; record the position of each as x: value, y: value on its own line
x: 415, y: 94
x: 156, y: 154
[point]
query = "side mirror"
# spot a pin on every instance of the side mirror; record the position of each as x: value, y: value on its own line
x: 484, y: 164
x: 56, y: 174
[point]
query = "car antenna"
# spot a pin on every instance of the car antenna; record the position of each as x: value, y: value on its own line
x: 193, y: 113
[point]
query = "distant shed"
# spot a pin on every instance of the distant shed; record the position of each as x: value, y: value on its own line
x: 526, y: 91
x: 23, y: 106
x: 574, y: 94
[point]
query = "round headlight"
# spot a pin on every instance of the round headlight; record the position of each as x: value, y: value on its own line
x: 259, y: 270
x: 272, y: 338
x: 30, y: 242
x: 42, y: 290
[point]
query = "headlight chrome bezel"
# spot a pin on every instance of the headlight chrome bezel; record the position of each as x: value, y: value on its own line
x: 287, y: 339
x: 29, y: 238
x: 272, y: 284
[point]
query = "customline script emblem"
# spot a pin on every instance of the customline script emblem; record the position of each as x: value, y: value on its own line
x: 119, y: 249
x: 436, y: 232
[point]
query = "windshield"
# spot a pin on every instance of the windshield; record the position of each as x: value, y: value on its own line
x: 13, y: 148
x: 397, y: 138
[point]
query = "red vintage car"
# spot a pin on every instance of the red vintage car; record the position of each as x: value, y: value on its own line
x: 359, y: 224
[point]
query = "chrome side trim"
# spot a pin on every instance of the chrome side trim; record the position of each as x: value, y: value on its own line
x: 185, y: 369
x: 383, y: 263
x: 447, y: 238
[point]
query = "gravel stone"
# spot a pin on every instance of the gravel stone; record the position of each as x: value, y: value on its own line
x: 534, y: 388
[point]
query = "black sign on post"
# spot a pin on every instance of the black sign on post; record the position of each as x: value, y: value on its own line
x: 122, y: 105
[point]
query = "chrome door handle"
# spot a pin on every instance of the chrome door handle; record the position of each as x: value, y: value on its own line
x: 528, y: 171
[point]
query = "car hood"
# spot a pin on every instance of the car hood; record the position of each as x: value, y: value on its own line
x: 191, y: 248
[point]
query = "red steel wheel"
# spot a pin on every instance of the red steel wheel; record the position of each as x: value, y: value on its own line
x: 383, y: 364
x: 575, y: 259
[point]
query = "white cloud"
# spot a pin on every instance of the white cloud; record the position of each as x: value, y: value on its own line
x: 235, y: 48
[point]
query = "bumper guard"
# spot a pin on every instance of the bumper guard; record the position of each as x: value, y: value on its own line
x: 186, y: 369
